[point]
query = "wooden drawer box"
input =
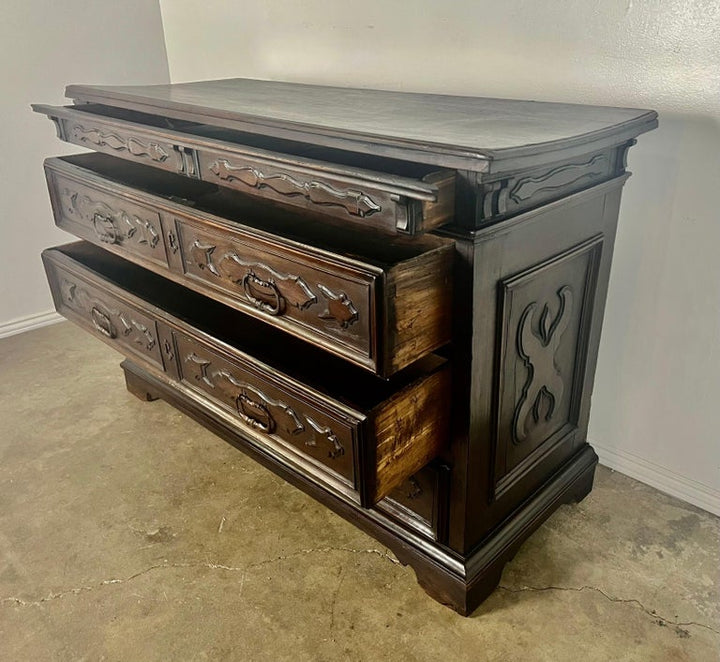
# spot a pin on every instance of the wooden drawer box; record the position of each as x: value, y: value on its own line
x: 380, y: 304
x: 362, y: 441
x: 382, y: 194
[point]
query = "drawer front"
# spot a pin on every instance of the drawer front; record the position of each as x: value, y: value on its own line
x: 102, y: 217
x: 420, y: 502
x: 128, y: 142
x: 362, y: 450
x: 269, y: 408
x: 117, y: 322
x: 291, y: 185
x: 323, y: 303
x: 374, y: 199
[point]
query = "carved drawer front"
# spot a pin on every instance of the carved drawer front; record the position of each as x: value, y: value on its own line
x: 104, y: 218
x: 396, y: 197
x: 362, y: 442
x: 421, y: 501
x: 117, y: 322
x: 273, y: 412
x: 319, y: 301
x: 380, y: 314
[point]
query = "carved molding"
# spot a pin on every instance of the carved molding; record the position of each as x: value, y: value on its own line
x: 112, y: 226
x: 356, y: 203
x: 270, y: 293
x: 537, y: 350
x: 558, y: 178
x: 338, y: 307
x: 95, y: 136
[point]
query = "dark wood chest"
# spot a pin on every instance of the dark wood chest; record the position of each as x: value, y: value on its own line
x: 394, y: 301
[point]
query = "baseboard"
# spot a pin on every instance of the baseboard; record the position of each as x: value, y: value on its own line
x: 28, y: 323
x: 662, y: 479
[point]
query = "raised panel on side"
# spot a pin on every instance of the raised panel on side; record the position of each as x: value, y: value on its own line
x: 545, y: 315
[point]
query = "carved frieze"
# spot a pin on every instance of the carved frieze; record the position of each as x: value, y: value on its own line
x: 355, y: 202
x: 95, y: 136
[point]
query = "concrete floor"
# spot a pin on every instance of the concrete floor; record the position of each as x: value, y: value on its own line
x: 128, y: 532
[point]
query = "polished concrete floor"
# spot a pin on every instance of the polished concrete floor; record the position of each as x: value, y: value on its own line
x: 128, y: 532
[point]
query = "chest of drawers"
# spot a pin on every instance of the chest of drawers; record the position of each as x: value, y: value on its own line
x: 394, y: 301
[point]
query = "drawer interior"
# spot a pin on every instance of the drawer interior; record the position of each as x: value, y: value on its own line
x: 381, y: 251
x: 346, y: 383
x: 301, y: 150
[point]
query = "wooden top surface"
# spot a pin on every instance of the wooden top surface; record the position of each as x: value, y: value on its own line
x: 398, y: 124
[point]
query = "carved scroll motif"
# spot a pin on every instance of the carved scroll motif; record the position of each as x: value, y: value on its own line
x: 95, y: 136
x: 336, y: 448
x: 558, y: 178
x: 112, y: 226
x: 110, y: 322
x: 356, y: 203
x: 271, y: 292
x: 338, y: 307
x: 255, y: 408
x: 544, y: 383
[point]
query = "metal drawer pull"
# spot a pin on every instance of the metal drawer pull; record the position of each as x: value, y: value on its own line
x: 105, y: 228
x: 255, y: 414
x: 274, y: 308
x: 102, y: 323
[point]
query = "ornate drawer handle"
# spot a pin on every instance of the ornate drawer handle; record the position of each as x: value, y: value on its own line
x: 274, y: 308
x: 105, y: 228
x: 102, y: 323
x: 255, y: 414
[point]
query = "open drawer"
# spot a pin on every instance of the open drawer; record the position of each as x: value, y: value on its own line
x: 349, y: 431
x: 384, y: 194
x: 380, y: 304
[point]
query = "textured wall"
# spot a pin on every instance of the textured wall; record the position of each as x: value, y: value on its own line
x: 45, y: 45
x: 655, y: 412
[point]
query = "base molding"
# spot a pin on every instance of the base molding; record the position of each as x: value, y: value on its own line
x: 29, y: 322
x: 461, y: 583
x: 661, y: 478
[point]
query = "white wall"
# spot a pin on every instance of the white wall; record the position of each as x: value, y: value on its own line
x: 44, y: 45
x: 656, y: 407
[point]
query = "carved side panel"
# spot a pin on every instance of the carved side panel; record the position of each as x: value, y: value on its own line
x: 263, y: 407
x: 545, y: 315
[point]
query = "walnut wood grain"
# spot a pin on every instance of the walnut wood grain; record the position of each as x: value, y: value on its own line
x: 409, y: 430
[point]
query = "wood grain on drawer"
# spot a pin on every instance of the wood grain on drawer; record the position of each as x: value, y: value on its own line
x: 362, y: 437
x: 383, y: 308
x: 378, y: 199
